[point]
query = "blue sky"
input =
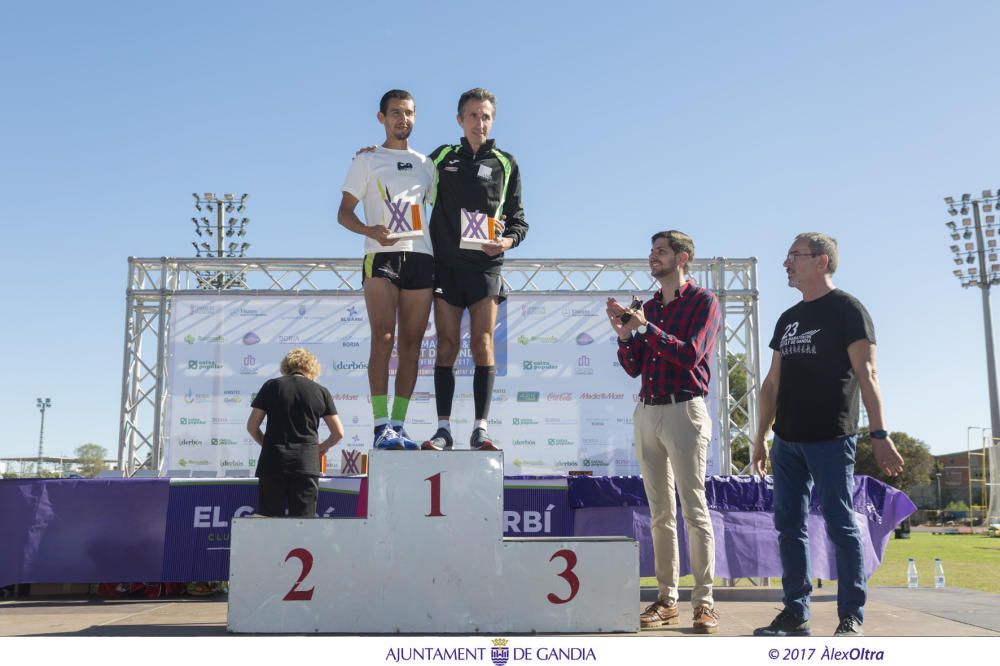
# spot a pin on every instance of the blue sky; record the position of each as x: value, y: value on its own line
x: 741, y: 123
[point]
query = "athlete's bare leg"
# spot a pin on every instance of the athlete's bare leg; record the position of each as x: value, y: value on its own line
x: 483, y: 315
x: 414, y: 311
x: 382, y: 300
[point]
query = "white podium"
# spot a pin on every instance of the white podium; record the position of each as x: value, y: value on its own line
x: 429, y: 558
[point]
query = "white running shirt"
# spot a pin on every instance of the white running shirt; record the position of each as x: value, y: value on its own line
x: 392, y: 183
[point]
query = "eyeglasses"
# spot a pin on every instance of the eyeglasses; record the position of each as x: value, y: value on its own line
x: 793, y: 255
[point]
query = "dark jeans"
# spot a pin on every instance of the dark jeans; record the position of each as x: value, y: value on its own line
x: 831, y: 465
x: 300, y: 492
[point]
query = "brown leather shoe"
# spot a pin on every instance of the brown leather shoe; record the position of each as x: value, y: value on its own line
x: 706, y: 620
x: 658, y: 614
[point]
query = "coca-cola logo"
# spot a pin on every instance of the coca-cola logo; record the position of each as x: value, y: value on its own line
x: 559, y: 397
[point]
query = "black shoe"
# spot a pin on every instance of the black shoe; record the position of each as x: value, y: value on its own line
x: 480, y: 441
x: 441, y: 441
x: 849, y: 626
x: 786, y: 624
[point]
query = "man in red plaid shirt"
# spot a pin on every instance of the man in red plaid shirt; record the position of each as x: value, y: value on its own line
x: 669, y: 342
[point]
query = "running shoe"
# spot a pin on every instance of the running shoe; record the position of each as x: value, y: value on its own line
x: 441, y: 441
x: 408, y: 443
x: 387, y: 439
x: 480, y: 441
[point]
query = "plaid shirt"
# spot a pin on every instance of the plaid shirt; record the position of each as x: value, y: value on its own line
x: 673, y: 355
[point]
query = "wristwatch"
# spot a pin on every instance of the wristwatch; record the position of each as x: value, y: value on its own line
x: 641, y: 329
x: 879, y: 434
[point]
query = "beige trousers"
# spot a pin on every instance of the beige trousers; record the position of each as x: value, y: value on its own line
x: 671, y: 442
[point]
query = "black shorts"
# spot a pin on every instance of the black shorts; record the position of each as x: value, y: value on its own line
x: 463, y: 286
x: 406, y: 270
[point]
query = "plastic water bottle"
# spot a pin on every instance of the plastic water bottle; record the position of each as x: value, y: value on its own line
x: 911, y: 574
x: 938, y: 573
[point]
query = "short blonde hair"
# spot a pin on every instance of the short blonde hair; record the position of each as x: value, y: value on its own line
x: 302, y: 361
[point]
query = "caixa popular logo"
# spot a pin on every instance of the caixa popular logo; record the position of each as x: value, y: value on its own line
x: 529, y: 522
x: 538, y: 366
x: 528, y: 396
x: 196, y: 364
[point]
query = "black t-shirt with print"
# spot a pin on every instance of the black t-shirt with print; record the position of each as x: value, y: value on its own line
x: 818, y: 394
x: 294, y: 405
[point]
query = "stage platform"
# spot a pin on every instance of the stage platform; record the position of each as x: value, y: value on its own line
x: 890, y: 612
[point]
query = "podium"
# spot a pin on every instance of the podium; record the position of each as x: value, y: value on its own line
x: 429, y: 558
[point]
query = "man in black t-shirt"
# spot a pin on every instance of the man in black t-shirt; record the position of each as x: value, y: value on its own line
x: 824, y: 357
x: 289, y: 467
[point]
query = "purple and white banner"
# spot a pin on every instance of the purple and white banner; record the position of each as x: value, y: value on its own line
x: 561, y: 401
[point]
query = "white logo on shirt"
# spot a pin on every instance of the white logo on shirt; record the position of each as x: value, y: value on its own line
x: 484, y: 172
x: 793, y: 342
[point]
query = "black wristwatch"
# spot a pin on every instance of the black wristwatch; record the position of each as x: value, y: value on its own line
x: 879, y: 434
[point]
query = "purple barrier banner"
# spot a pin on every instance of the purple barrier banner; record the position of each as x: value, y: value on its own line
x: 536, y: 506
x: 160, y: 530
x: 81, y: 530
x: 746, y: 543
x: 201, y: 513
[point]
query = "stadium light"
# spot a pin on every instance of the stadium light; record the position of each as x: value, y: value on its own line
x: 220, y: 228
x: 42, y: 404
x: 983, y: 275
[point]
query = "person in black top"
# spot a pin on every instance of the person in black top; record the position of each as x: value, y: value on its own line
x: 475, y: 181
x: 289, y: 464
x: 824, y: 356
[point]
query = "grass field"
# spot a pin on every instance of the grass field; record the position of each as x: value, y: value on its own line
x: 970, y: 561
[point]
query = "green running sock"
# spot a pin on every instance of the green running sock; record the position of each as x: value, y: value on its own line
x: 380, y: 406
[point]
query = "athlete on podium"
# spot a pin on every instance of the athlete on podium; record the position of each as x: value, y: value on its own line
x: 393, y: 181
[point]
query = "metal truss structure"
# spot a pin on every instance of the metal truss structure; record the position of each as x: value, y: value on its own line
x: 153, y: 283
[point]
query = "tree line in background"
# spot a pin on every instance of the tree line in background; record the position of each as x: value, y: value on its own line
x: 89, y: 460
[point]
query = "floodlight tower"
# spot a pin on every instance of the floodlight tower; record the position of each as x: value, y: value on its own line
x: 42, y: 404
x: 232, y: 229
x: 975, y: 242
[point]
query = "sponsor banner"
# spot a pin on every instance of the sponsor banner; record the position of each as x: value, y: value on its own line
x: 560, y: 396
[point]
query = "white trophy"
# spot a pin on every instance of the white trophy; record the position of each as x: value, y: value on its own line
x: 404, y: 219
x: 478, y: 229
